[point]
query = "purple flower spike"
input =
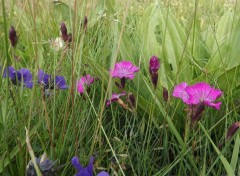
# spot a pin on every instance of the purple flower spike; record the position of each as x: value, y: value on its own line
x: 233, y: 129
x: 154, y: 64
x: 13, y: 36
x: 83, y: 171
x: 61, y: 83
x: 203, y: 92
x: 103, y: 173
x: 84, y: 82
x: 23, y: 76
x: 124, y: 69
x: 114, y: 98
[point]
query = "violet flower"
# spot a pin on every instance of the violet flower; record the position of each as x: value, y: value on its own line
x: 17, y: 77
x: 84, y: 82
x: 83, y: 171
x: 13, y: 36
x: 233, y: 129
x: 123, y: 70
x: 103, y: 173
x: 115, y: 97
x: 47, y: 81
x: 45, y: 165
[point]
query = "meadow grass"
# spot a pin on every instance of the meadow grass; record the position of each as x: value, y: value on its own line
x: 196, y: 41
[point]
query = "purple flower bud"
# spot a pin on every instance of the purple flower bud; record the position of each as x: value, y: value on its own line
x: 63, y: 29
x: 154, y: 64
x: 154, y: 78
x: 132, y: 100
x: 196, y: 112
x: 165, y: 94
x: 85, y: 23
x: 123, y: 82
x: 65, y: 36
x: 13, y: 36
x: 232, y: 129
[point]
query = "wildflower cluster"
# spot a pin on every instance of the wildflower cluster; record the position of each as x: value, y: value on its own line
x: 122, y: 70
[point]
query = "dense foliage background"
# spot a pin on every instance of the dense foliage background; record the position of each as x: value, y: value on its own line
x: 195, y: 41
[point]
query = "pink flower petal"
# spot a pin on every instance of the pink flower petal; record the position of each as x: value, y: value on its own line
x: 180, y: 92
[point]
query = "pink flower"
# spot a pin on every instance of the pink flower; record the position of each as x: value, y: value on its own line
x: 115, y: 98
x: 203, y: 92
x: 180, y: 92
x: 197, y: 93
x: 84, y: 82
x: 124, y: 69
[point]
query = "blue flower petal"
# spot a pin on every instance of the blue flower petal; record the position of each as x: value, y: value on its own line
x: 103, y: 173
x: 43, y: 78
x: 60, y: 82
x: 75, y: 162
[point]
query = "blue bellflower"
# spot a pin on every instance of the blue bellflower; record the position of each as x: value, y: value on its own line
x: 17, y: 77
x: 47, y: 81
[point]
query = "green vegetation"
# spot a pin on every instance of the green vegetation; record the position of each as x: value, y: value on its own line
x: 196, y: 41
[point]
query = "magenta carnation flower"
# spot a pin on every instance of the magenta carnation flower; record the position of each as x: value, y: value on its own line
x: 114, y: 98
x: 203, y: 92
x: 197, y: 93
x: 124, y: 69
x: 84, y: 82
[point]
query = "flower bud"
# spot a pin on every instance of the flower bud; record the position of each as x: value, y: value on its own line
x: 154, y: 78
x: 232, y: 129
x: 85, y: 23
x: 63, y: 29
x: 154, y: 64
x: 132, y: 100
x: 196, y: 112
x: 13, y: 36
x: 165, y: 94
